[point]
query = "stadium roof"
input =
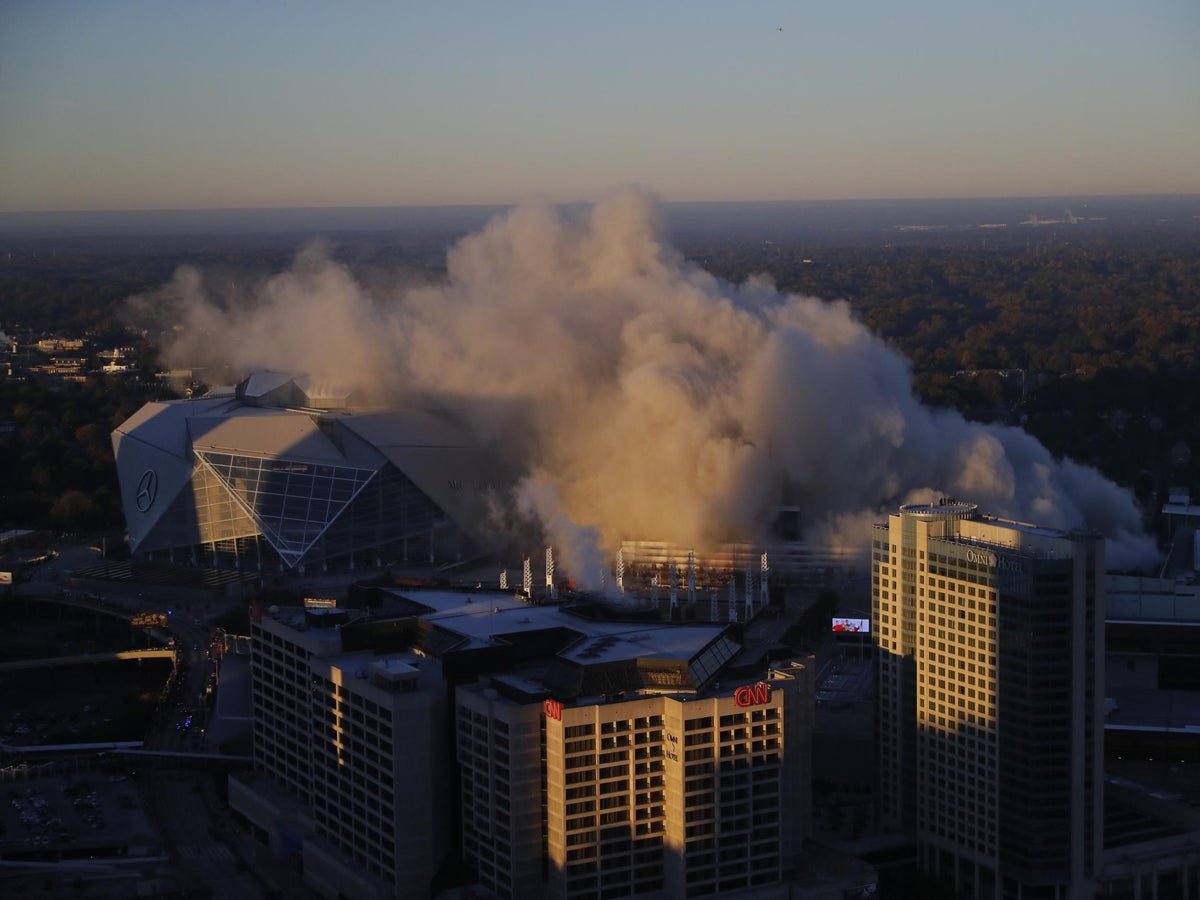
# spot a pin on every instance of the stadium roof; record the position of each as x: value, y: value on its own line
x: 273, y: 451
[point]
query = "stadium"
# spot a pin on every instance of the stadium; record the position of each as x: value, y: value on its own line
x: 280, y: 474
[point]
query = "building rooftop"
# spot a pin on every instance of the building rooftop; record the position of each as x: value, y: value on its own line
x: 482, y: 617
x: 547, y: 647
x: 1025, y: 527
x: 1153, y: 709
x: 942, y: 509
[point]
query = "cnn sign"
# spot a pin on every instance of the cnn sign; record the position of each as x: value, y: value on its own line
x: 752, y: 694
x: 553, y: 709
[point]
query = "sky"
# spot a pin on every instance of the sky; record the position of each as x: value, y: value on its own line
x: 176, y: 105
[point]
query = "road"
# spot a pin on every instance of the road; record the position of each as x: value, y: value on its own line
x: 195, y: 827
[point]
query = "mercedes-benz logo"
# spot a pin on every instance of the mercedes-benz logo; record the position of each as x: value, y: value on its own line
x: 147, y: 490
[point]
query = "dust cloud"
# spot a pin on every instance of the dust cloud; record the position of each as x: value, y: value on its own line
x: 637, y: 395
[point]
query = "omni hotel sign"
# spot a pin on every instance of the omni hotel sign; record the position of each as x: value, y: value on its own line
x: 993, y: 561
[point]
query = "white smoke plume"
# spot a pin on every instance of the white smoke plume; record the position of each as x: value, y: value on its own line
x: 640, y: 396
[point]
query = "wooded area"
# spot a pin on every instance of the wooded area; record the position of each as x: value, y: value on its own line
x: 1091, y: 344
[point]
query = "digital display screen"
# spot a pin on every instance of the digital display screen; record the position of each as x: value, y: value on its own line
x: 859, y: 626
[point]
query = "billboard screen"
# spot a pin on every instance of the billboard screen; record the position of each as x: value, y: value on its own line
x: 859, y: 626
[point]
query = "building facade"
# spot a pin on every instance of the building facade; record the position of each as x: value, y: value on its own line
x: 278, y: 475
x: 558, y: 756
x: 991, y: 649
x: 644, y: 796
x: 355, y: 745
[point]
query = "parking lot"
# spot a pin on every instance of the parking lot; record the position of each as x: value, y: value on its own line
x: 87, y: 812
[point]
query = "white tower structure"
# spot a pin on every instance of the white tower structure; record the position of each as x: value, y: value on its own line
x: 691, y: 576
x: 762, y: 581
x: 674, y: 585
x: 621, y: 570
x: 551, y: 590
x: 504, y: 579
x: 527, y: 581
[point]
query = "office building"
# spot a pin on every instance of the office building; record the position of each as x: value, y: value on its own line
x: 991, y: 647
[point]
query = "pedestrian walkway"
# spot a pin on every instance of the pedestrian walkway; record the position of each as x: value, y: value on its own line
x: 206, y: 853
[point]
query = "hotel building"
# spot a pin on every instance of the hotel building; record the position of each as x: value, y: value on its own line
x: 646, y: 796
x: 575, y: 757
x: 349, y: 753
x: 991, y: 648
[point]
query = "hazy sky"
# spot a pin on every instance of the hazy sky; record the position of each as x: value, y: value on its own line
x: 111, y: 104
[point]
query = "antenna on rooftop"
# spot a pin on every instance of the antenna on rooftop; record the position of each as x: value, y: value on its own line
x: 691, y: 576
x: 621, y: 569
x: 749, y: 592
x: 654, y: 588
x: 762, y: 579
x: 674, y: 585
x: 527, y: 581
x: 714, y: 611
x: 551, y: 590
x: 732, y: 597
x: 504, y: 579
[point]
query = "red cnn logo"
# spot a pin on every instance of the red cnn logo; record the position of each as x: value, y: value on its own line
x: 553, y: 709
x: 752, y: 694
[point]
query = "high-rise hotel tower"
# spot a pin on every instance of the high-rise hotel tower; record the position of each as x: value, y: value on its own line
x: 576, y: 757
x: 991, y: 653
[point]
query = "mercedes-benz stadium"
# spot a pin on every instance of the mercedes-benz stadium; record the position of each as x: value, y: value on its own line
x: 279, y: 474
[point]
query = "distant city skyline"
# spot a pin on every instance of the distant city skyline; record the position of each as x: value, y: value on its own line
x: 124, y: 105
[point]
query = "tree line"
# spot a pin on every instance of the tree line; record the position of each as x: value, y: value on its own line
x: 1091, y: 341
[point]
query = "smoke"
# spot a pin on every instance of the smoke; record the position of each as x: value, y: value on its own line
x: 639, y: 396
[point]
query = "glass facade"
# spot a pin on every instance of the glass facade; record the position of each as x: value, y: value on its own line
x: 261, y: 512
x: 710, y: 661
x: 217, y: 514
x: 292, y: 502
x: 265, y: 479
